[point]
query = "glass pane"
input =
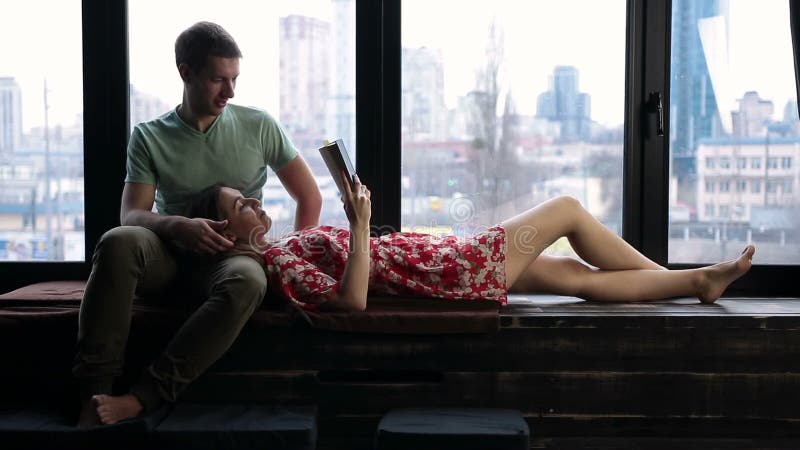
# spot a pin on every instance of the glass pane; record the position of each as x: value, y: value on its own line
x: 734, y: 132
x: 298, y: 64
x: 41, y: 132
x: 507, y: 109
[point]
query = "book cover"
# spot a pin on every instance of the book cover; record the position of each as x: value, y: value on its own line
x: 336, y: 158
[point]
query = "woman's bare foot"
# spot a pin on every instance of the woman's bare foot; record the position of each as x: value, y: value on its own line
x: 111, y: 409
x: 716, y: 278
x: 88, y: 417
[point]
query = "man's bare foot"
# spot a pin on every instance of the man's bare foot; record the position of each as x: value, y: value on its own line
x: 88, y: 417
x: 716, y: 278
x: 111, y: 409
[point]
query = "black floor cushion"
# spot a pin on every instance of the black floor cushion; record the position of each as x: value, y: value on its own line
x: 452, y: 428
x: 239, y: 427
x: 41, y: 427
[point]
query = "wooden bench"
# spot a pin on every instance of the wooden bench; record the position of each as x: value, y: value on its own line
x: 579, y: 372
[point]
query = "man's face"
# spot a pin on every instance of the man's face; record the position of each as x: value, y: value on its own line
x: 209, y: 89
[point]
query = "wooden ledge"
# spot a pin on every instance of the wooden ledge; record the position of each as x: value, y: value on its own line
x: 535, y: 311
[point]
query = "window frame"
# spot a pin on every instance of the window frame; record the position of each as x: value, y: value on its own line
x: 762, y: 280
x: 378, y: 106
x: 105, y: 107
x: 378, y: 110
x: 645, y: 207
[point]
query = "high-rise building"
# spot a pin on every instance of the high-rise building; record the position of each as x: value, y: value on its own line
x: 753, y: 116
x: 790, y: 112
x: 564, y: 104
x: 423, y: 109
x: 304, y: 77
x: 791, y: 118
x: 342, y: 100
x: 694, y: 112
x: 145, y: 106
x: 10, y: 115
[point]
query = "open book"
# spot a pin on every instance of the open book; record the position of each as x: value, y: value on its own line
x: 336, y: 158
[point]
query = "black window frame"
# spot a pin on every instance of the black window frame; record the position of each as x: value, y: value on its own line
x: 378, y: 100
x: 652, y: 225
x: 105, y: 108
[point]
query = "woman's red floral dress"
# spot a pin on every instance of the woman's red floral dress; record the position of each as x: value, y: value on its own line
x: 306, y: 266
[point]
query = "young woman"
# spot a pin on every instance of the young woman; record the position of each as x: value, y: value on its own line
x: 328, y: 268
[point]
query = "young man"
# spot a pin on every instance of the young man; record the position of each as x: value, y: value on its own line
x: 203, y: 141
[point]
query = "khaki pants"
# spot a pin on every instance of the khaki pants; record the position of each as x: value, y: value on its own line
x: 131, y: 261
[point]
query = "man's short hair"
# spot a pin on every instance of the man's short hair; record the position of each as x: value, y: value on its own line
x: 203, y: 39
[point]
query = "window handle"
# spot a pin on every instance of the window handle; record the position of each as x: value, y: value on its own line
x: 657, y: 101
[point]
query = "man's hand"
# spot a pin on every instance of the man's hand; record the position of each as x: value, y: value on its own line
x: 202, y: 236
x: 357, y: 204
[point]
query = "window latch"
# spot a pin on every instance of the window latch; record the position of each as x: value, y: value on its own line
x: 657, y: 102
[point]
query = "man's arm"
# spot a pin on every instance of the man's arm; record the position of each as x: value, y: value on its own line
x: 198, y: 235
x: 298, y: 181
x: 137, y: 206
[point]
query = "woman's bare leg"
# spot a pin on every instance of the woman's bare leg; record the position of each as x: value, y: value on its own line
x: 604, y: 249
x: 534, y: 230
x: 560, y: 275
x: 568, y: 276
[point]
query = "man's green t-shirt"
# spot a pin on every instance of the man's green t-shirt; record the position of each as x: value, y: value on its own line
x: 180, y: 161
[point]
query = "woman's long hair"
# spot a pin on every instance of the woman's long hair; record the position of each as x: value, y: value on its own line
x: 205, y: 204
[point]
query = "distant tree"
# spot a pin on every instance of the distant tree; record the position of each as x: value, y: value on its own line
x: 607, y: 166
x: 494, y: 137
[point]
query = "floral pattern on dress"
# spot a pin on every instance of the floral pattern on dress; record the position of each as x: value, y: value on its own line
x: 305, y: 267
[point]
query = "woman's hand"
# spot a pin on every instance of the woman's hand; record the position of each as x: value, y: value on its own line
x: 354, y: 284
x: 357, y: 204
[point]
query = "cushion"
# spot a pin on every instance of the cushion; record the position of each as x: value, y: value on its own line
x: 38, y: 427
x: 50, y: 292
x: 398, y: 315
x: 456, y: 428
x: 411, y: 315
x: 237, y: 427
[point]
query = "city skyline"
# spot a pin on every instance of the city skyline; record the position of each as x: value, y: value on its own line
x: 552, y: 134
x: 145, y: 106
x: 602, y: 71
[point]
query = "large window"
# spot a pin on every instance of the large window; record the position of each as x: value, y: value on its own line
x: 471, y: 112
x: 298, y: 64
x: 41, y: 132
x: 508, y: 107
x: 733, y: 98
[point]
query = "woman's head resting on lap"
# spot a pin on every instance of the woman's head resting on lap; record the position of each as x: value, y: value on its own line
x: 247, y: 222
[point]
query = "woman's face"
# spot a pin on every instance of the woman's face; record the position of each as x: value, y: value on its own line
x: 247, y: 222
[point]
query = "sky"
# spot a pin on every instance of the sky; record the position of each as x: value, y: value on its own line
x: 538, y: 36
x: 154, y: 25
x: 35, y: 47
